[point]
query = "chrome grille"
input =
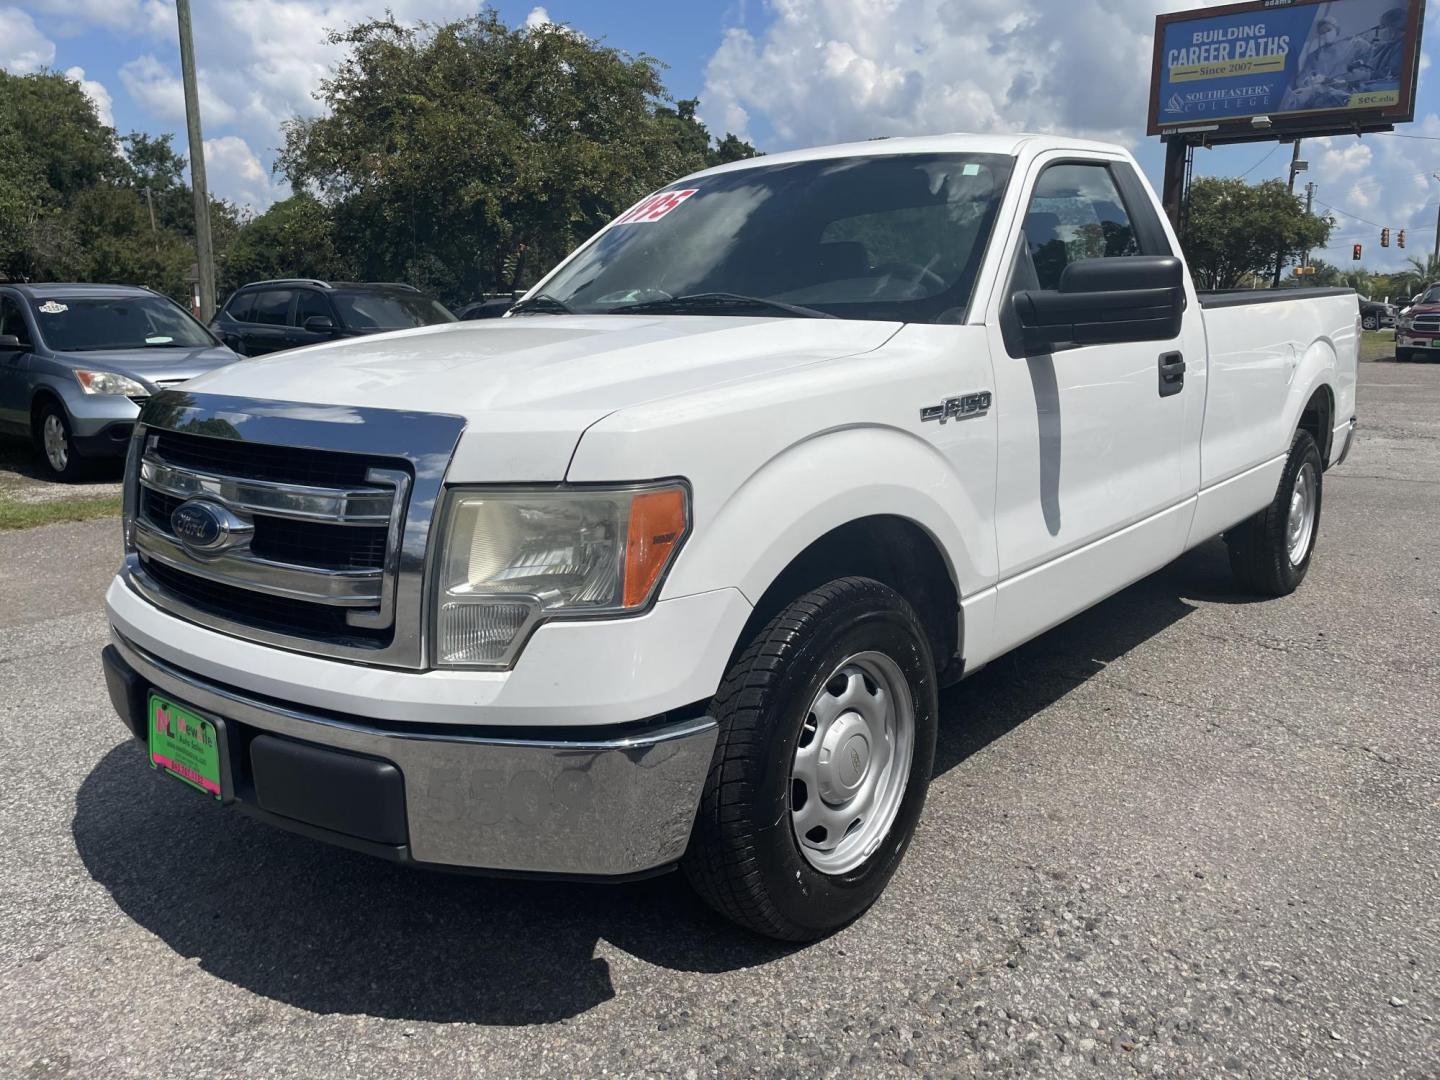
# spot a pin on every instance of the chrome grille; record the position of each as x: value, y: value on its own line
x: 329, y: 511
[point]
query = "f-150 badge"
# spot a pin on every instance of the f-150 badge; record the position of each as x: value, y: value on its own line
x: 958, y: 408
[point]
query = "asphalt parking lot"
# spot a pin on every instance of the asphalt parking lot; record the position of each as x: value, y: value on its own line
x: 1184, y: 835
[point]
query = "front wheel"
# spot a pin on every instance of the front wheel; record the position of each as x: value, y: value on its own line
x: 55, y: 443
x: 1370, y: 322
x: 827, y: 739
x: 1270, y: 553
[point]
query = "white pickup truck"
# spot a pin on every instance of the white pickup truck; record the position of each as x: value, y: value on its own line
x: 667, y: 566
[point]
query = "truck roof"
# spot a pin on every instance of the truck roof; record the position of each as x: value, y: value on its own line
x: 956, y: 143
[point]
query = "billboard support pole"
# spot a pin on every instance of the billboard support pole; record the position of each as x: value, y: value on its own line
x: 1172, y: 190
x: 1280, y: 256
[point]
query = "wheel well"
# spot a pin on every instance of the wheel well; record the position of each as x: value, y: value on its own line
x: 38, y: 402
x: 1318, y: 420
x: 892, y: 550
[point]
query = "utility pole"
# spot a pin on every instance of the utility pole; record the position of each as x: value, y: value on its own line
x: 1437, y: 229
x: 1295, y: 168
x: 204, y: 249
x: 1309, y: 209
x: 154, y: 232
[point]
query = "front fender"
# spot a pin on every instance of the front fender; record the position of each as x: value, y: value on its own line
x: 825, y: 482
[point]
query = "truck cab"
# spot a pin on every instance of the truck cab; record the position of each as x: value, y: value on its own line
x: 666, y: 567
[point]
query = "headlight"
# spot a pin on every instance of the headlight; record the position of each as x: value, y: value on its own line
x: 107, y: 382
x: 511, y: 559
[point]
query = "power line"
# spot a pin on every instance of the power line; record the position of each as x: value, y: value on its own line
x: 1257, y: 164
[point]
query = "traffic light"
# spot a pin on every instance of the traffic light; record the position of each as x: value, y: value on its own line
x: 1357, y: 253
x: 1384, y: 237
x: 1400, y: 240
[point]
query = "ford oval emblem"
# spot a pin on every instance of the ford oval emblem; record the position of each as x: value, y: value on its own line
x: 205, y: 526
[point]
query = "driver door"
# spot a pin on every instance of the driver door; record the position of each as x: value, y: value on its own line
x: 1099, y: 454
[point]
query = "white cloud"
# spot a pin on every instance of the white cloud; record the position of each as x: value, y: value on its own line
x: 158, y: 89
x: 96, y: 92
x: 232, y: 171
x: 70, y: 17
x: 23, y: 48
x: 836, y: 70
x: 537, y: 18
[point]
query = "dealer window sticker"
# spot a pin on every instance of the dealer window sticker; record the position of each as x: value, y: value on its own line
x: 50, y: 307
x: 654, y: 208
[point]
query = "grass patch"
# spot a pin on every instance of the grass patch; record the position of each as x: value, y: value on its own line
x: 1377, y: 345
x: 26, y: 515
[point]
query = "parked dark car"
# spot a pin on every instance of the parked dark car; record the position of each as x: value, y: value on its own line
x: 1376, y: 315
x: 486, y: 309
x: 76, y: 361
x: 268, y: 316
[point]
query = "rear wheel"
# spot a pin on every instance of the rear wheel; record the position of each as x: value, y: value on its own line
x: 827, y: 738
x: 1270, y: 553
x: 1370, y: 322
x: 55, y: 443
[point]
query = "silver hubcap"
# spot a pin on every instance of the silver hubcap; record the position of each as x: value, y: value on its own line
x: 852, y: 763
x: 1301, y: 525
x: 53, y: 436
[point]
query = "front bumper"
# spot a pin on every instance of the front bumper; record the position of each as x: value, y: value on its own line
x: 615, y: 803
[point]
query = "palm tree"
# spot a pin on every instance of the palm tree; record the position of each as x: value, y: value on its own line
x: 1427, y: 268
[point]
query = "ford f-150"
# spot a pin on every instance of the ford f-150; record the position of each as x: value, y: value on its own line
x: 667, y: 566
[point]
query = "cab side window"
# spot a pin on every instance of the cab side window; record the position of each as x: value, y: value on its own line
x: 1076, y: 213
x: 12, y: 320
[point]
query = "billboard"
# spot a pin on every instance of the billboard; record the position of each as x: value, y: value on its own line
x: 1311, y: 65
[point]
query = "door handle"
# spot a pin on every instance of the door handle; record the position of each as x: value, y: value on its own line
x: 1172, y: 373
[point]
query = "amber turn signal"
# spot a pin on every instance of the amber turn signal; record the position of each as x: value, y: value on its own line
x: 657, y: 525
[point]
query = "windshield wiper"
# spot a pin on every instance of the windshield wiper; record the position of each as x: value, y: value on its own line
x: 715, y: 303
x: 542, y: 304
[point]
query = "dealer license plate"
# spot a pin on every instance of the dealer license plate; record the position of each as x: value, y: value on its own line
x: 185, y: 745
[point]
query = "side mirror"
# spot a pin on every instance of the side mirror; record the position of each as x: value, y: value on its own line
x: 319, y: 324
x: 9, y: 343
x: 1105, y: 302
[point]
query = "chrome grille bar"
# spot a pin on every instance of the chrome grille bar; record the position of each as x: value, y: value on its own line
x: 338, y: 588
x: 366, y: 506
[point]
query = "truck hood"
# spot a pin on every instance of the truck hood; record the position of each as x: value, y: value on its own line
x: 529, y: 386
x: 153, y: 366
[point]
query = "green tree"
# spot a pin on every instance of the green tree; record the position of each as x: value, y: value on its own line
x: 468, y: 156
x: 1234, y: 230
x: 296, y: 237
x: 73, y: 198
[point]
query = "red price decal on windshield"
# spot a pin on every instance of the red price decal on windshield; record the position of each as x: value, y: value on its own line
x: 655, y: 207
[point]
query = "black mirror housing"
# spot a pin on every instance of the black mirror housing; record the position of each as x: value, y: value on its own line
x: 1105, y: 302
x: 319, y: 324
x: 9, y: 343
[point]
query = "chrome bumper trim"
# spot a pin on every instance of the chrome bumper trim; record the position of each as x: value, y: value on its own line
x: 604, y: 807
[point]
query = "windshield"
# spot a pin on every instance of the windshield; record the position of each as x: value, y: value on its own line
x: 895, y: 238
x: 389, y: 311
x: 93, y: 324
x: 1432, y: 296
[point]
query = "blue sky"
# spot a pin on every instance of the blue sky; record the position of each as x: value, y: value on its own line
x: 782, y: 72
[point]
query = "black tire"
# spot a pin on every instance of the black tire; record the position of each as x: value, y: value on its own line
x: 1403, y: 355
x: 744, y: 858
x: 1259, y: 547
x: 1370, y: 322
x: 72, y: 467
